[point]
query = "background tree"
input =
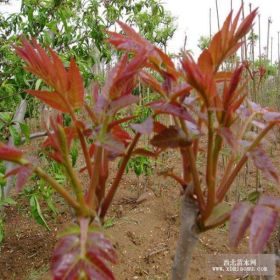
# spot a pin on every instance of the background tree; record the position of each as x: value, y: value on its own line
x: 203, y: 42
x: 75, y: 29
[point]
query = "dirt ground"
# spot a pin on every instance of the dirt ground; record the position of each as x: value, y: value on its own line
x: 142, y: 224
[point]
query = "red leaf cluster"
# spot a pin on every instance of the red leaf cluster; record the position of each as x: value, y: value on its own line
x: 23, y: 173
x: 83, y: 253
x: 55, y: 139
x: 9, y: 153
x: 133, y: 42
x: 68, y: 86
x: 261, y: 219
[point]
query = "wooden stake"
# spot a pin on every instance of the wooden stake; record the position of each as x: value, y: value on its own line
x: 245, y: 41
x: 278, y: 43
x: 271, y: 49
x: 260, y: 49
x: 269, y: 21
x: 217, y: 11
x: 210, y: 23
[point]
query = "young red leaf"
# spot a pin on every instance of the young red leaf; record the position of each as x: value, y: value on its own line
x: 270, y: 201
x: 23, y: 173
x: 56, y: 138
x: 170, y: 137
x: 101, y: 105
x: 121, y: 79
x: 120, y: 121
x: 226, y: 41
x: 75, y: 86
x: 115, y: 143
x: 120, y: 134
x: 83, y: 254
x: 256, y: 108
x: 229, y: 94
x: 145, y: 128
x: 133, y: 42
x: 53, y: 99
x: 203, y: 82
x: 150, y: 81
x: 68, y: 86
x: 181, y: 91
x: 173, y: 109
x: 240, y: 220
x: 223, y: 76
x: 10, y: 153
x: 264, y: 219
x: 264, y: 163
x: 246, y: 25
x: 228, y: 136
x: 122, y: 102
x: 205, y: 62
x: 159, y: 127
x: 271, y: 116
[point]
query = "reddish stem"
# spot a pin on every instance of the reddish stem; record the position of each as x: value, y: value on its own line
x: 186, y: 166
x: 85, y: 151
x: 193, y: 169
x: 94, y: 180
x: 210, y: 179
x: 110, y: 195
x: 223, y: 189
x: 175, y: 177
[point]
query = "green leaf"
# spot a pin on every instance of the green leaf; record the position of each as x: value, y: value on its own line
x: 2, y: 179
x: 218, y: 213
x: 60, y: 178
x: 38, y: 84
x: 7, y: 201
x: 5, y: 117
x: 110, y: 222
x: 51, y: 205
x: 74, y: 155
x: 15, y: 135
x: 254, y: 196
x: 36, y: 211
x: 25, y: 130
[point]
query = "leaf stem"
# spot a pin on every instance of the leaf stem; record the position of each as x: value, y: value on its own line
x: 85, y: 151
x: 59, y: 188
x: 210, y: 169
x: 110, y: 195
x: 75, y: 182
x: 223, y: 189
x: 94, y: 180
x: 193, y: 169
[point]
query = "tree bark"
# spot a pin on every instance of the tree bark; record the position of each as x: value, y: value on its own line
x: 188, y: 236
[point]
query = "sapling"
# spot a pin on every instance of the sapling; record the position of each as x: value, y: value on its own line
x: 199, y: 110
x: 209, y: 103
x: 82, y: 250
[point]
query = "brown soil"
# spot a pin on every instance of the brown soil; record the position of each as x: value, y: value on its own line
x: 142, y: 224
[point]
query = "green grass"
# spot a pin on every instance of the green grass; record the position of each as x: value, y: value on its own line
x: 37, y: 274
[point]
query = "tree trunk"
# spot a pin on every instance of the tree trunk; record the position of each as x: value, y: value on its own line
x: 188, y: 236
